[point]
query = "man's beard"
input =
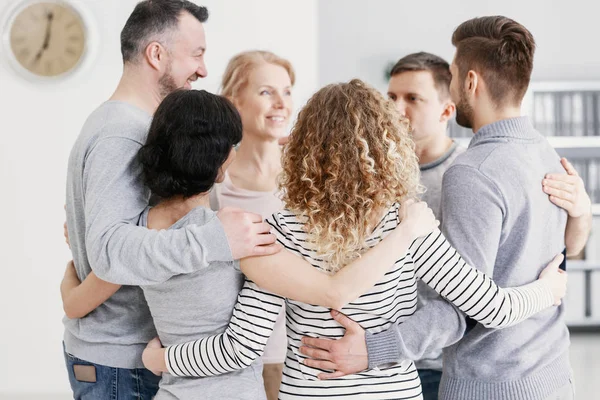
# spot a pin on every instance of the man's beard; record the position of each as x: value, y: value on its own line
x: 166, y: 83
x: 464, y: 113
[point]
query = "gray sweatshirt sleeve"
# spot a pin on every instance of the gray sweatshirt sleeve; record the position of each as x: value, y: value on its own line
x: 417, y: 336
x: 118, y: 250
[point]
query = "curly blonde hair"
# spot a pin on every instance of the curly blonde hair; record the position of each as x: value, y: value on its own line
x: 239, y: 67
x: 349, y: 158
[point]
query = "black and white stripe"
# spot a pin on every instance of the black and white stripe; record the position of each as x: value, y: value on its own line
x: 390, y: 301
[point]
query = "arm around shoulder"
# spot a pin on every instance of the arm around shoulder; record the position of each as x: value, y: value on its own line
x: 120, y: 251
x: 288, y: 274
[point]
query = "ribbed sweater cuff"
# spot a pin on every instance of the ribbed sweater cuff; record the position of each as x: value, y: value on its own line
x: 166, y: 356
x: 538, y: 385
x: 383, y: 348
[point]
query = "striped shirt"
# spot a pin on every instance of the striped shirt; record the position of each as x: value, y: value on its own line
x: 391, y: 301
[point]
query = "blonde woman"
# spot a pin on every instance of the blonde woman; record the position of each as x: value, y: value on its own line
x: 347, y: 169
x: 259, y: 83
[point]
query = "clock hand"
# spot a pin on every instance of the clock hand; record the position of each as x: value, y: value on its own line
x: 48, y: 30
x: 50, y: 17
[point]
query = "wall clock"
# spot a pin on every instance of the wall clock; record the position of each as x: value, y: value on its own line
x: 46, y: 38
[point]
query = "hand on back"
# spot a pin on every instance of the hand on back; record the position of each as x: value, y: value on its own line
x: 247, y: 234
x: 555, y: 278
x: 417, y: 219
x: 568, y: 191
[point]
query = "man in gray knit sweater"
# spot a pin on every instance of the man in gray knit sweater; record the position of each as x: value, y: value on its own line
x: 500, y: 220
x: 163, y: 47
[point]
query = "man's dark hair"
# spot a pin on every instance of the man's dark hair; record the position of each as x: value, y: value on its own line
x: 191, y: 136
x: 437, y: 66
x: 499, y: 49
x: 152, y: 18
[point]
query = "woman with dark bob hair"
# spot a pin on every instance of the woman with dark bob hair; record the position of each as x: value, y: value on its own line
x: 189, y: 145
x: 188, y: 149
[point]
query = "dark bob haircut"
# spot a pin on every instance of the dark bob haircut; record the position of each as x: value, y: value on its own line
x: 190, y: 138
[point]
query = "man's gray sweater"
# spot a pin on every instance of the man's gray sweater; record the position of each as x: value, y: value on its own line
x: 105, y: 199
x: 498, y: 218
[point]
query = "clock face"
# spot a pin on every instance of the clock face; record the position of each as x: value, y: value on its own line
x: 48, y: 38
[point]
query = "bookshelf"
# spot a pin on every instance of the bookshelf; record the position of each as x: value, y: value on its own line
x: 568, y: 114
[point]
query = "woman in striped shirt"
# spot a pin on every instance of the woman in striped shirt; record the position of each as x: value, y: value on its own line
x: 349, y: 165
x: 187, y: 151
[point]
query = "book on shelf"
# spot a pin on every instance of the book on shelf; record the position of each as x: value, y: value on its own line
x: 591, y: 117
x: 565, y: 113
x: 578, y: 114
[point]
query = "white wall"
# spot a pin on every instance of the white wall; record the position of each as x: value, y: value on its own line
x: 359, y: 41
x: 39, y: 123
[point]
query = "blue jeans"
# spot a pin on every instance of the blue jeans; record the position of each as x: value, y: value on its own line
x: 112, y: 383
x: 430, y: 383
